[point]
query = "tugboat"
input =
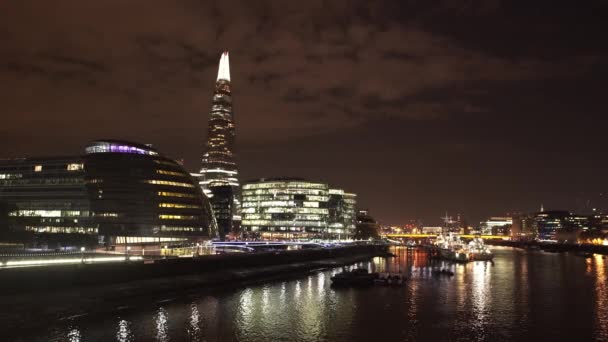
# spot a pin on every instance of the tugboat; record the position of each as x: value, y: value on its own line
x: 356, y: 277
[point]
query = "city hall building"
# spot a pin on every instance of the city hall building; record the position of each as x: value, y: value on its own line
x: 120, y: 192
x: 293, y: 208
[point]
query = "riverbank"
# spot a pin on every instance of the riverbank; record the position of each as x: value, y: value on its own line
x: 224, y: 268
x: 52, y: 303
x: 551, y: 247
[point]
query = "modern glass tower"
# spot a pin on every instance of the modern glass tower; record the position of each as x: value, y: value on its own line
x: 219, y: 175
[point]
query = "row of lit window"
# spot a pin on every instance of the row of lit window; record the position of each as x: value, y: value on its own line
x: 175, y: 194
x: 164, y: 162
x: 246, y: 222
x: 177, y: 217
x: 47, y: 213
x: 143, y: 239
x: 178, y: 229
x: 69, y: 230
x: 179, y: 205
x: 281, y: 204
x: 170, y: 173
x: 286, y: 184
x: 278, y: 210
x: 170, y: 183
x: 283, y: 191
x: 106, y: 214
x: 41, y: 181
x: 10, y: 175
x: 286, y: 197
x: 306, y: 217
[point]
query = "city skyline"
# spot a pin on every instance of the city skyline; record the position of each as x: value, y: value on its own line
x: 409, y: 101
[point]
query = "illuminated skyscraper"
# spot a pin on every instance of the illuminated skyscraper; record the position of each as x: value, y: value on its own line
x: 219, y: 171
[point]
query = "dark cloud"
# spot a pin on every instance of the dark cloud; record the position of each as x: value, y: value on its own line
x: 420, y: 107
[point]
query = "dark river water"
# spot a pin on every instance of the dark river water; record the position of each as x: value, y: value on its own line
x: 522, y: 295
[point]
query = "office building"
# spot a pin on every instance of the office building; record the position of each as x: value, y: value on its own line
x: 118, y: 192
x: 139, y: 196
x: 219, y: 167
x: 46, y: 198
x: 341, y: 210
x: 496, y: 226
x: 293, y: 208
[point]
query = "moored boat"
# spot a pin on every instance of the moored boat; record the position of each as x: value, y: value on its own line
x: 356, y: 277
x: 452, y: 248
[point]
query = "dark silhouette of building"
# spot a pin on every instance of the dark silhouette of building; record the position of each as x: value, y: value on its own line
x: 367, y: 227
x: 222, y: 204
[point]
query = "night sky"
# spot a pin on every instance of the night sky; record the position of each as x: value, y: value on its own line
x: 474, y: 107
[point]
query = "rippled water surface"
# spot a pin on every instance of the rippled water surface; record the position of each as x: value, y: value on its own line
x: 523, y: 295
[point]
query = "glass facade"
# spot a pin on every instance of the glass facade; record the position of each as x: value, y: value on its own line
x: 295, y: 209
x: 46, y: 197
x: 143, y: 194
x: 219, y: 168
x: 117, y: 189
x: 342, y: 217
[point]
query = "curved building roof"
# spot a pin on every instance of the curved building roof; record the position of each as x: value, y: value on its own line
x: 119, y: 146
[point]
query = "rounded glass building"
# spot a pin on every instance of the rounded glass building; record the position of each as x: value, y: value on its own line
x: 139, y: 196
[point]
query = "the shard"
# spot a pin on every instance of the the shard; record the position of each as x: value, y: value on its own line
x: 219, y: 174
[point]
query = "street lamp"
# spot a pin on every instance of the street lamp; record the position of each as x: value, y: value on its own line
x: 82, y: 254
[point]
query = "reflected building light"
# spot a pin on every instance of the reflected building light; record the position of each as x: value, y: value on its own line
x: 194, y: 330
x: 74, y: 335
x: 124, y: 334
x: 298, y: 290
x: 162, y: 329
x: 480, y: 293
x: 320, y: 282
x: 265, y: 299
x: 283, y: 291
x: 601, y: 294
x: 309, y: 286
x: 246, y: 304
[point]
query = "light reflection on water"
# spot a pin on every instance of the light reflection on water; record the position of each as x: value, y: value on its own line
x: 123, y: 334
x: 161, y: 325
x: 522, y: 295
x: 601, y: 294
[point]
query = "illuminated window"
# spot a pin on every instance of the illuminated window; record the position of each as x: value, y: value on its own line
x: 176, y: 217
x: 175, y: 194
x: 75, y: 167
x: 163, y: 182
x: 38, y: 168
x: 178, y: 205
x: 171, y: 173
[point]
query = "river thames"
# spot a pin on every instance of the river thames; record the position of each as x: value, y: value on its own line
x: 523, y: 295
